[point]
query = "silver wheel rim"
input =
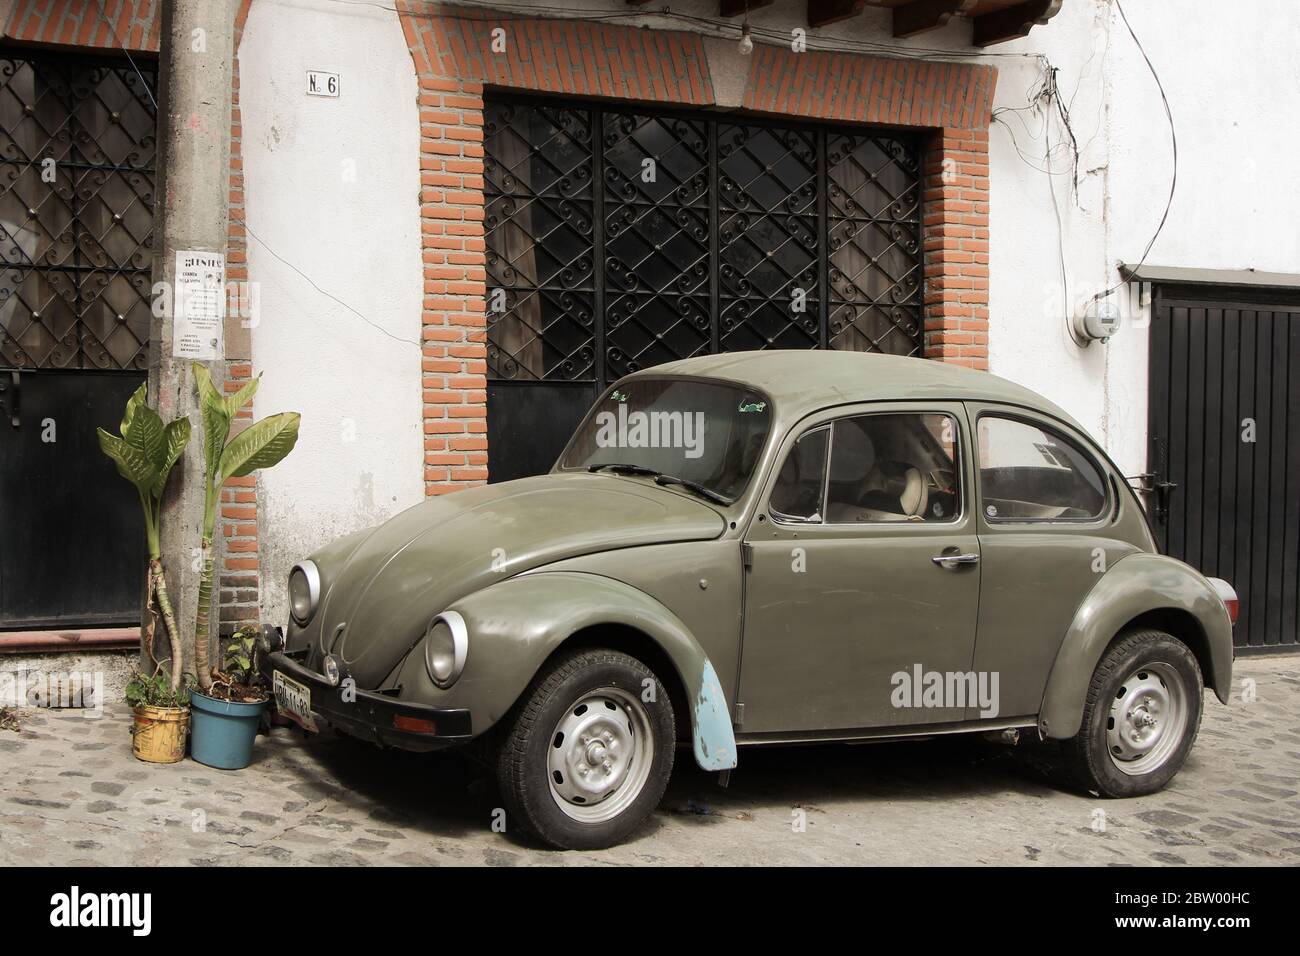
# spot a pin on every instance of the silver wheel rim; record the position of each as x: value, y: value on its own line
x: 1148, y: 718
x: 599, y: 755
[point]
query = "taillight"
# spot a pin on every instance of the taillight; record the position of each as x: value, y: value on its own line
x: 1234, y: 606
x: 1228, y: 594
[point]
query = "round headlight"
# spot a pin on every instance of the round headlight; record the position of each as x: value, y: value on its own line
x: 304, y: 592
x: 446, y: 646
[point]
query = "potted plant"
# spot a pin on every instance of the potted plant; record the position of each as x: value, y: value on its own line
x: 162, y: 716
x: 144, y: 454
x: 226, y: 718
x: 260, y: 445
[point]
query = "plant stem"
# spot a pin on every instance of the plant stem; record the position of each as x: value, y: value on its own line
x: 169, y: 618
x: 201, y: 664
x: 150, y: 624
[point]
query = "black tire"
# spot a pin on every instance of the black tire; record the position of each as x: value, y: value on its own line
x: 1088, y: 755
x: 529, y: 733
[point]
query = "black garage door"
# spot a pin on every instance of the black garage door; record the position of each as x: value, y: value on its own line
x: 1225, y: 444
x: 621, y: 239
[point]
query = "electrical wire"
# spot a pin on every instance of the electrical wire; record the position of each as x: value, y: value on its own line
x: 112, y: 26
x: 239, y: 219
x: 1173, y: 141
x: 1046, y: 90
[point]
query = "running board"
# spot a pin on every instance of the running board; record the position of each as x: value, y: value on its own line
x: 866, y: 735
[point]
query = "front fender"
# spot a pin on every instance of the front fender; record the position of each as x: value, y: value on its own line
x: 516, y: 624
x: 1135, y: 585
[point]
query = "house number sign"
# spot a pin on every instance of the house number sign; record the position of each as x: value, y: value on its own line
x: 322, y: 84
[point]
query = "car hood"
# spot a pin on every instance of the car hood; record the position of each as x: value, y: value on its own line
x: 379, y: 603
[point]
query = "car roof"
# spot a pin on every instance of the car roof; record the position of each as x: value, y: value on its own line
x: 800, y: 382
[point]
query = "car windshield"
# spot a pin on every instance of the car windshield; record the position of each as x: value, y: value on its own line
x: 678, y: 431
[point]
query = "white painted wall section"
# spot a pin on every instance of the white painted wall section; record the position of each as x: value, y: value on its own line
x: 332, y: 189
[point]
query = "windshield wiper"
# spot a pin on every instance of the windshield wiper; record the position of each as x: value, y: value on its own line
x: 694, y: 486
x: 662, y: 479
x: 623, y: 469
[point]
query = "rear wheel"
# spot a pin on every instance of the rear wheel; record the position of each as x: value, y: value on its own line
x: 587, y: 755
x: 1141, y: 716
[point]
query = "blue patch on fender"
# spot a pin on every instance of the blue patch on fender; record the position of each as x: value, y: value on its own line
x: 715, y: 744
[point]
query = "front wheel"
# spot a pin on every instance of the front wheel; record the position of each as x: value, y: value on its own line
x: 587, y: 754
x: 1141, y: 716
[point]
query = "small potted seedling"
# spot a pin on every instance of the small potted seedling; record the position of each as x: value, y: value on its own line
x: 162, y: 716
x: 227, y: 716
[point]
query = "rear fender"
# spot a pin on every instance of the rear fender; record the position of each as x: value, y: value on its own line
x: 1137, y: 584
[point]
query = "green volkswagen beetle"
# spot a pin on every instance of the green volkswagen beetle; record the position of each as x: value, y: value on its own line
x: 765, y: 548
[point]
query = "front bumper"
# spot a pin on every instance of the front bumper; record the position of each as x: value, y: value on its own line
x: 371, y: 716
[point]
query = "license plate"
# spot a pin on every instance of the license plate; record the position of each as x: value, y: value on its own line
x: 293, y: 700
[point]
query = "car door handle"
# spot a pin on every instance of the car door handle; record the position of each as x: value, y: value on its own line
x: 951, y: 562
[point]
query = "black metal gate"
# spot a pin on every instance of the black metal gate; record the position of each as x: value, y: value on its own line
x: 619, y: 239
x: 77, y: 152
x: 1225, y: 447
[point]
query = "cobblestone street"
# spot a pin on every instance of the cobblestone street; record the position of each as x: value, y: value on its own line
x: 71, y: 793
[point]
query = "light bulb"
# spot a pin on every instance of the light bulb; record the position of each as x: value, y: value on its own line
x: 746, y: 41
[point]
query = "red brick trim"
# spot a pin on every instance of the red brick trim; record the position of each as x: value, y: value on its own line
x: 848, y: 87
x: 239, y: 578
x: 454, y: 327
x: 955, y: 237
x: 135, y: 23
x: 558, y: 56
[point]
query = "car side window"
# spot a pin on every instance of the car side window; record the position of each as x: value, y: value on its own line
x: 1029, y: 473
x: 893, y: 467
x: 797, y: 495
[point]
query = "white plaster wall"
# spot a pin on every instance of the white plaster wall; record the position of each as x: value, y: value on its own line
x: 360, y: 453
x: 1231, y: 82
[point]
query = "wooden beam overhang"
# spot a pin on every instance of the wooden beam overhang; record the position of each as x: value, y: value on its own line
x: 994, y: 21
x: 1013, y: 23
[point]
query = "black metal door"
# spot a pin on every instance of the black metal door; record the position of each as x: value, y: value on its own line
x: 77, y: 147
x: 1225, y: 448
x: 621, y: 239
x: 71, y: 532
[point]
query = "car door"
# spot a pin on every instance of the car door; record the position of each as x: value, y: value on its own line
x: 1048, y: 506
x: 853, y: 579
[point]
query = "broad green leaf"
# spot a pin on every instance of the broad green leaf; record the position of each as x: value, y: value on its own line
x: 177, y: 436
x: 130, y: 461
x: 147, y: 435
x: 216, y: 423
x: 234, y: 402
x: 260, y: 445
x: 207, y: 391
x: 132, y: 404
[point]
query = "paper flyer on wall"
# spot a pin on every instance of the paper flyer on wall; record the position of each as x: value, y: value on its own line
x: 200, y: 305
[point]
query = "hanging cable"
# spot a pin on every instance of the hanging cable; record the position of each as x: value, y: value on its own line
x: 1173, y: 142
x: 239, y: 219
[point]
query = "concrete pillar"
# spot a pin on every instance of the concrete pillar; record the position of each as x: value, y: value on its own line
x: 190, y: 213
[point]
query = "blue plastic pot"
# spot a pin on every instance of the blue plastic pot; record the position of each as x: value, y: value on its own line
x: 222, y: 731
